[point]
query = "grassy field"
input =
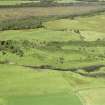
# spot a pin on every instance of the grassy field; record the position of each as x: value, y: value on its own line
x: 61, y: 63
x: 25, y: 86
x: 19, y: 83
x: 13, y: 2
x: 17, y: 2
x: 80, y: 23
x: 66, y: 1
x: 38, y: 34
x: 92, y: 96
x: 46, y: 49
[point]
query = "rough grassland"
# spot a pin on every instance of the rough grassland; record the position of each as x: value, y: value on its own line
x: 13, y: 13
x: 61, y: 63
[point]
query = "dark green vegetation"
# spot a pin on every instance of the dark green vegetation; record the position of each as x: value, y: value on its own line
x: 33, y: 15
x: 31, y: 18
x: 52, y: 55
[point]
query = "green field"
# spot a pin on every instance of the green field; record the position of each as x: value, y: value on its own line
x: 11, y: 2
x: 60, y: 63
x: 15, y: 2
x: 79, y: 23
x: 25, y: 86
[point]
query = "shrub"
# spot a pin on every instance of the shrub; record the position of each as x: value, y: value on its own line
x: 15, y: 24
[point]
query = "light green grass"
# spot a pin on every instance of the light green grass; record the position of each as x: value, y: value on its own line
x: 17, y: 80
x: 91, y: 23
x: 38, y: 34
x: 93, y: 35
x: 90, y: 27
x: 95, y: 96
x: 75, y: 55
x: 10, y: 2
x: 50, y: 99
x: 22, y: 86
x: 14, y: 2
x: 66, y: 1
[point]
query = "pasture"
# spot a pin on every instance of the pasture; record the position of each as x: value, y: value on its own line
x: 85, y: 23
x: 12, y: 2
x: 60, y: 63
x: 36, y: 87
